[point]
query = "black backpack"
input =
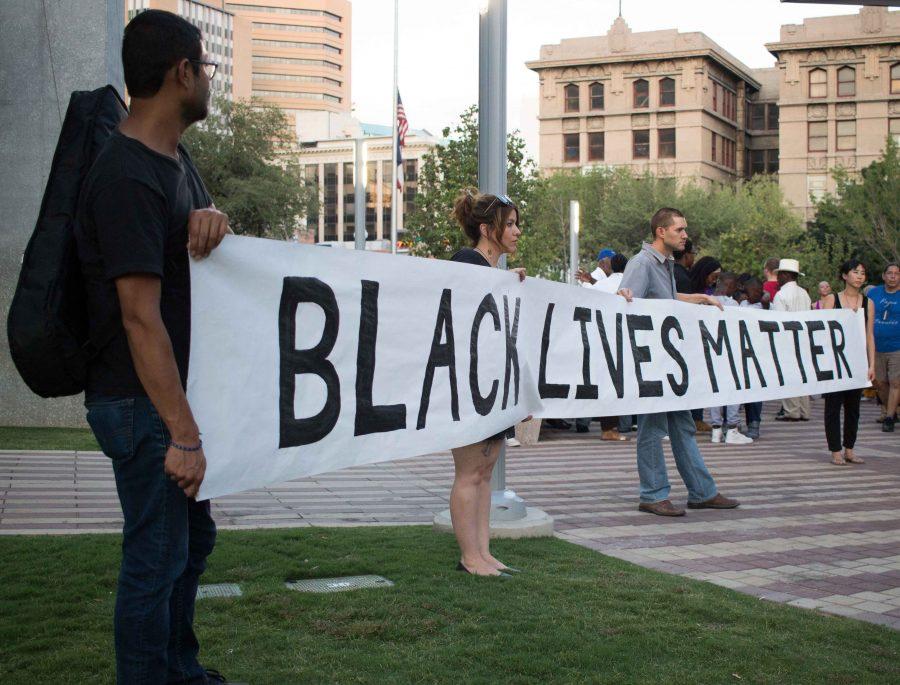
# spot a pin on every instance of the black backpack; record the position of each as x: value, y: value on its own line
x: 48, y: 321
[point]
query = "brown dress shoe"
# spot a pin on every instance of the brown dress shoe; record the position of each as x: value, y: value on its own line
x: 718, y: 502
x: 663, y: 508
x: 702, y: 426
x: 613, y: 435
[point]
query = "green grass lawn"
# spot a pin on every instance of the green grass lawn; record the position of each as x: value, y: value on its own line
x: 18, y: 438
x: 574, y: 616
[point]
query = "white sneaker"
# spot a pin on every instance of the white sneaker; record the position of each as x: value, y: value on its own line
x: 716, y: 435
x: 512, y: 442
x: 734, y: 437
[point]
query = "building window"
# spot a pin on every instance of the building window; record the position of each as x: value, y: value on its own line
x: 387, y: 195
x: 571, y: 147
x: 331, y: 199
x: 311, y: 174
x: 715, y: 151
x: 846, y: 82
x: 895, y: 79
x: 818, y: 136
x: 666, y: 143
x: 815, y: 185
x: 641, y: 93
x: 572, y: 104
x: 596, y: 147
x: 894, y: 130
x: 757, y: 162
x: 757, y: 117
x: 771, y: 117
x: 410, y: 185
x: 640, y: 144
x: 667, y: 92
x: 349, y: 202
x: 596, y: 96
x: 846, y: 135
x: 772, y: 160
x: 818, y: 83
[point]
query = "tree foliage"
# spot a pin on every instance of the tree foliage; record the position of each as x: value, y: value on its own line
x: 242, y: 151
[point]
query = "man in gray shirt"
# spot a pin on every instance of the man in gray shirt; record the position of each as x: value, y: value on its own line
x: 650, y: 274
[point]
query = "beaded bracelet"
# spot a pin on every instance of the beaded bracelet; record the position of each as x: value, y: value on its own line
x: 185, y: 448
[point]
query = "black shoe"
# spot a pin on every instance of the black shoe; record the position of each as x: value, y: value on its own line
x: 213, y: 676
x: 460, y: 567
x: 581, y: 429
x: 558, y: 424
x: 887, y: 426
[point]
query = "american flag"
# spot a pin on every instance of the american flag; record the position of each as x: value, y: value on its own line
x: 402, y: 128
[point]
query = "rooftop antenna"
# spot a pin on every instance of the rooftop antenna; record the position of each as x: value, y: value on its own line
x: 620, y: 9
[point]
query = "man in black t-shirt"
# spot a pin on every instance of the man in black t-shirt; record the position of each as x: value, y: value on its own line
x: 143, y: 209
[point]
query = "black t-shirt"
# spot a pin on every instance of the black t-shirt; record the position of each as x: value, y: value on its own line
x: 133, y: 215
x: 468, y: 255
x: 683, y: 279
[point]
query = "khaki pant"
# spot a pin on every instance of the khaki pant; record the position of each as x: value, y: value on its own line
x: 796, y: 407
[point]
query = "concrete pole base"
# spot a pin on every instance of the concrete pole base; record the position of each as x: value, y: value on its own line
x: 536, y: 524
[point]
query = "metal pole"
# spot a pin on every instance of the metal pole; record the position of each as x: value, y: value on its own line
x: 574, y: 228
x: 359, y: 196
x: 395, y: 205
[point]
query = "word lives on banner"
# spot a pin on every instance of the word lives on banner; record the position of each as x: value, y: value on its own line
x: 308, y: 359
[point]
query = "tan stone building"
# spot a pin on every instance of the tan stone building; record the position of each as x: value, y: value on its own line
x: 839, y: 97
x: 678, y: 105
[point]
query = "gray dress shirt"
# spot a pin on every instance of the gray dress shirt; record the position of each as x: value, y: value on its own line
x: 650, y: 275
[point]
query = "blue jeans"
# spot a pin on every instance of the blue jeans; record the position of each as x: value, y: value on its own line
x: 732, y: 415
x: 753, y: 412
x: 166, y: 539
x: 651, y: 462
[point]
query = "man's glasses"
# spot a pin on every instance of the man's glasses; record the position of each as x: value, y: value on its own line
x: 208, y: 67
x: 502, y: 199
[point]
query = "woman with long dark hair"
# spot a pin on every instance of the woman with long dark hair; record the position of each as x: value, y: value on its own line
x: 704, y: 275
x: 491, y: 223
x: 853, y: 273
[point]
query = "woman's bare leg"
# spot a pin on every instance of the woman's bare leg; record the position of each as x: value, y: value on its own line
x: 465, y: 505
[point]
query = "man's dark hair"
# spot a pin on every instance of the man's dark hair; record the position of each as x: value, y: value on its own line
x: 849, y: 266
x: 888, y: 266
x: 664, y: 218
x: 677, y: 255
x: 618, y: 263
x: 153, y: 42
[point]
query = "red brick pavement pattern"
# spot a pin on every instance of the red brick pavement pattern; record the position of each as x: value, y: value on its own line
x: 807, y: 533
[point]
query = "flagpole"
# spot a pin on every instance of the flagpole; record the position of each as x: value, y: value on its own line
x: 395, y: 203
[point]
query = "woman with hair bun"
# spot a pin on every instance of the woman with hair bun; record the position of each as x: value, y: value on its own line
x: 490, y: 222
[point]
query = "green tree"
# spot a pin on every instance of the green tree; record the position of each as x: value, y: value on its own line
x: 445, y: 171
x: 243, y: 153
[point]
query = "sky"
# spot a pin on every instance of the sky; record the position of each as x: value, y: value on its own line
x: 438, y: 73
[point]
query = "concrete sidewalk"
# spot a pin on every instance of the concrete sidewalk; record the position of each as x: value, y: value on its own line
x: 807, y: 533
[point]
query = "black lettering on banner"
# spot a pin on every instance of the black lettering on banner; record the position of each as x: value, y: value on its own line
x: 669, y: 324
x: 795, y: 327
x: 616, y: 368
x: 483, y: 405
x: 747, y: 353
x: 816, y: 350
x: 371, y: 418
x: 721, y: 341
x: 838, y: 349
x: 641, y: 355
x: 586, y: 390
x: 771, y: 328
x: 293, y: 432
x: 441, y: 354
x: 545, y: 389
x: 512, y: 353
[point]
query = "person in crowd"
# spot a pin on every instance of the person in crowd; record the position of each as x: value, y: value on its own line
x: 144, y: 212
x: 650, y: 274
x: 791, y: 298
x: 770, y: 282
x: 704, y: 275
x: 601, y: 273
x: 884, y: 324
x: 684, y: 262
x: 853, y: 273
x: 753, y: 299
x: 824, y: 289
x: 491, y: 223
x: 726, y: 423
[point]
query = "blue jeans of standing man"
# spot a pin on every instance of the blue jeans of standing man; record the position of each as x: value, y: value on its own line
x: 166, y: 540
x: 679, y: 426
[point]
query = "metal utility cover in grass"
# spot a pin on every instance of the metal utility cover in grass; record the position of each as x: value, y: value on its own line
x: 338, y: 584
x: 220, y: 590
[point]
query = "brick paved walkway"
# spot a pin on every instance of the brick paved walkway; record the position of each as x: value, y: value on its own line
x: 807, y: 533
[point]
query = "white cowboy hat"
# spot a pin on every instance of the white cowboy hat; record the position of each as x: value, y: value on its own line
x: 791, y: 265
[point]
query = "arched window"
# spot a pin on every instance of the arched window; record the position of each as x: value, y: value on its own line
x: 667, y: 92
x: 895, y: 79
x: 572, y: 104
x: 641, y: 93
x: 818, y: 83
x: 596, y: 96
x: 846, y: 82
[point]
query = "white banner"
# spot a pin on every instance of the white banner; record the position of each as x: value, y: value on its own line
x: 308, y: 359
